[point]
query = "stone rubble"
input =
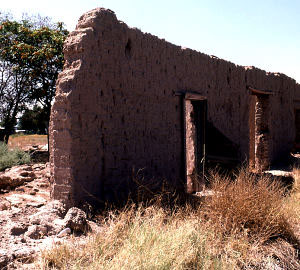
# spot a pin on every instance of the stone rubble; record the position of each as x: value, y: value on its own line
x: 29, y: 220
x: 16, y: 176
x: 76, y: 220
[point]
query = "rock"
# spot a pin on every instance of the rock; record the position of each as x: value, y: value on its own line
x: 37, y: 231
x: 38, y: 166
x: 76, y: 220
x: 17, y: 200
x: 35, y: 204
x: 45, y: 147
x: 36, y: 190
x: 14, y: 199
x: 32, y: 193
x: 48, y: 213
x: 24, y: 255
x: 21, y: 189
x: 4, y: 259
x: 4, y: 205
x: 18, y: 229
x: 16, y: 176
x: 64, y: 232
x: 23, y: 240
x: 43, y: 185
x: 49, y: 216
x: 27, y: 173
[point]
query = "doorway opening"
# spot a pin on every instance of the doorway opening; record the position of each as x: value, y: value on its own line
x: 195, y: 119
x: 205, y: 145
x: 259, y: 133
x: 297, y: 128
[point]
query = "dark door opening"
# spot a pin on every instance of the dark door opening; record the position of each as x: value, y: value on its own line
x: 200, y: 120
x: 195, y: 114
x: 297, y: 125
x: 205, y: 145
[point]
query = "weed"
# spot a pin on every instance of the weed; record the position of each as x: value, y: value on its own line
x: 249, y: 204
x: 9, y: 158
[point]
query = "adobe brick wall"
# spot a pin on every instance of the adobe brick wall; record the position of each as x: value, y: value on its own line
x: 115, y: 110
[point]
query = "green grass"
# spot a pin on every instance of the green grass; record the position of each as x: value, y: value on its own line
x: 9, y: 158
x: 249, y: 223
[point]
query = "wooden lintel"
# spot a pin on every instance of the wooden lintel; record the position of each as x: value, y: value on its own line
x: 189, y: 95
x: 259, y: 92
x: 193, y: 96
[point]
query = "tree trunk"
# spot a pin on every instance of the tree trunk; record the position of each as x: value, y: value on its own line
x: 2, y: 135
x: 9, y: 128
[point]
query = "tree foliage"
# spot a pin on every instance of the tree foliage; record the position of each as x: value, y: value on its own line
x: 32, y: 54
x: 14, y: 91
x: 34, y: 120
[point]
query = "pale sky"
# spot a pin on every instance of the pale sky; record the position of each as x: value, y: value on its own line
x: 261, y: 33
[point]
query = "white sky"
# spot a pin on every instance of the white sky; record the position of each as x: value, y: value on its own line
x: 262, y: 33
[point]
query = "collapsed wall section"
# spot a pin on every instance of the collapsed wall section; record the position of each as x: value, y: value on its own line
x: 117, y: 109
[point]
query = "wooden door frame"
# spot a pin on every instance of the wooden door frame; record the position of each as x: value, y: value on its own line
x: 259, y: 133
x: 193, y: 183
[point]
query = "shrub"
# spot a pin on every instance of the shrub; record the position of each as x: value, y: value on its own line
x: 9, y: 158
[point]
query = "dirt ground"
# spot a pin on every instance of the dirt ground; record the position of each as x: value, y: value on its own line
x: 16, y: 208
x: 24, y: 142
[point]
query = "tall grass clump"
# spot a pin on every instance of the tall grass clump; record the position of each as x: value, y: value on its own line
x: 9, y: 158
x: 251, y: 205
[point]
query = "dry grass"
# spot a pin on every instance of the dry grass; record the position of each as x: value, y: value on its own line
x: 245, y: 225
x: 143, y: 238
x: 292, y: 204
x: 296, y: 186
x: 24, y: 142
x: 251, y: 205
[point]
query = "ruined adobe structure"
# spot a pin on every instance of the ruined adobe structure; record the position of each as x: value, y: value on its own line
x: 127, y: 100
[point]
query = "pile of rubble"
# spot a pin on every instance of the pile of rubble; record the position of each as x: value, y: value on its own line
x: 29, y: 220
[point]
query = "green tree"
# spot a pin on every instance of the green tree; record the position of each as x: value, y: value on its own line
x: 34, y: 120
x: 14, y: 89
x: 35, y: 52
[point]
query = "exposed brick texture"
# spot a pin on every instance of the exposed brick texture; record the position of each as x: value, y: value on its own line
x: 116, y: 110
